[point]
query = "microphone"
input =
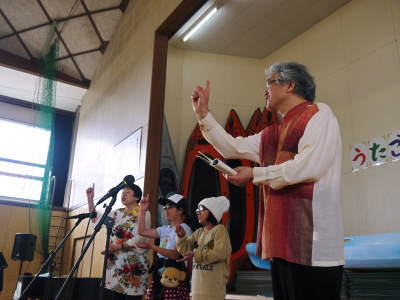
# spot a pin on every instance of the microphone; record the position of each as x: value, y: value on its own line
x: 82, y: 216
x: 128, y: 180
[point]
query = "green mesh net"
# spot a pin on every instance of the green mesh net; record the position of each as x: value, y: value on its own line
x: 45, y: 120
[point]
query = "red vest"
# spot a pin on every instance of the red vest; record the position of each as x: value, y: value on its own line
x: 285, y: 219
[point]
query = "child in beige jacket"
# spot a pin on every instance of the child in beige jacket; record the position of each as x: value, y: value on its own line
x: 210, y: 248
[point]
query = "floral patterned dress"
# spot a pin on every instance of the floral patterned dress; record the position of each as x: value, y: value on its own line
x: 127, y: 269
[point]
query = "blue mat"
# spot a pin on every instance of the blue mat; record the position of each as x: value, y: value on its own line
x: 376, y: 251
x: 256, y: 260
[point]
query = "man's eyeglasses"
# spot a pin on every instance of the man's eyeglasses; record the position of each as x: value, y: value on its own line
x: 168, y: 206
x: 200, y: 209
x: 271, y: 81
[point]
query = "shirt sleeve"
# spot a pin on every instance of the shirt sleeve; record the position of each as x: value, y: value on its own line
x: 220, y: 251
x: 138, y: 238
x: 317, y: 149
x: 186, y: 243
x: 227, y: 145
x: 160, y: 231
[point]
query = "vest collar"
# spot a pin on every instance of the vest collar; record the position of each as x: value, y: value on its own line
x: 296, y: 110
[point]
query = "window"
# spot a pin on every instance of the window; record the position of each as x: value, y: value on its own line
x: 23, y: 155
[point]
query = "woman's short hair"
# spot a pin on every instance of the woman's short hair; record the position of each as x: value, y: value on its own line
x: 292, y: 71
x: 137, y: 191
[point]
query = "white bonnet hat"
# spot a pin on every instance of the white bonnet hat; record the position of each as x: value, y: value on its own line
x: 217, y: 206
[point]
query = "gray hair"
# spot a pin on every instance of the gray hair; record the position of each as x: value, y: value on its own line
x: 304, y: 82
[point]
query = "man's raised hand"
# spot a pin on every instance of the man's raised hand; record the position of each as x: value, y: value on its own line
x: 200, y: 99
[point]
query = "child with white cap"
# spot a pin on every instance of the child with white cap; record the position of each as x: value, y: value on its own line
x: 174, y: 206
x: 210, y: 248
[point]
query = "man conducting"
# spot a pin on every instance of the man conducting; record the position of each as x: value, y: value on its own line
x: 300, y: 225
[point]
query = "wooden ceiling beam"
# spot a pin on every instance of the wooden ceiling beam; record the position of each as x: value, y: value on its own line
x: 92, y: 21
x: 123, y: 5
x: 59, y: 20
x: 79, y: 53
x: 33, y: 66
x: 15, y: 33
x: 61, y: 39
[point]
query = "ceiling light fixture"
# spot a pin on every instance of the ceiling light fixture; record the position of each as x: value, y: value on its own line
x: 201, y: 23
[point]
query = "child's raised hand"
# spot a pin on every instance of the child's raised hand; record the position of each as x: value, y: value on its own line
x: 144, y: 203
x: 180, y: 232
x: 90, y: 193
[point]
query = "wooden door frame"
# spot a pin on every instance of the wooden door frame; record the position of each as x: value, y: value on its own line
x: 182, y: 13
x: 75, y: 241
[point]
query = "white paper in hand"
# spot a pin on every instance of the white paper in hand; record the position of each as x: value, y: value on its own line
x: 217, y: 164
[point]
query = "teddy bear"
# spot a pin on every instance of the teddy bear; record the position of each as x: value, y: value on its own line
x: 171, y: 277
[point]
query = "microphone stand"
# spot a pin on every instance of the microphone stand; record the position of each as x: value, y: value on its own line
x: 109, y: 224
x: 49, y: 258
x: 96, y: 230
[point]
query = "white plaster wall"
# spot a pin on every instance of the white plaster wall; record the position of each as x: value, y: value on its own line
x: 117, y: 102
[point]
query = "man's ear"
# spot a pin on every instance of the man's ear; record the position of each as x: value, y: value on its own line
x: 291, y: 85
